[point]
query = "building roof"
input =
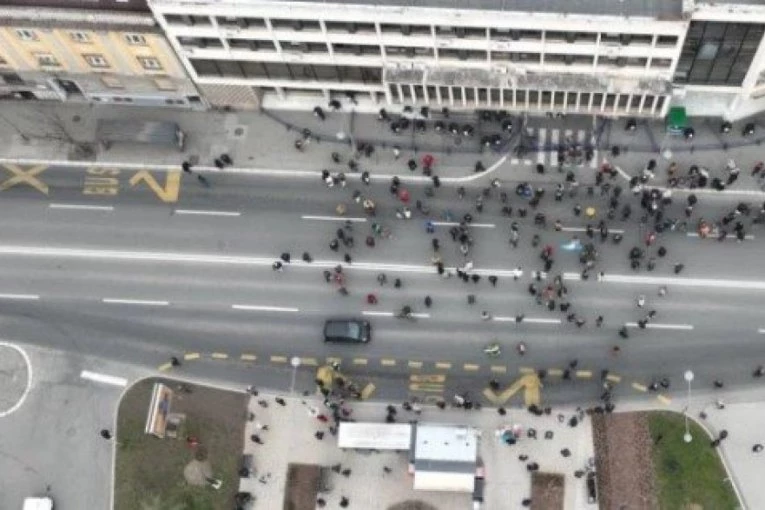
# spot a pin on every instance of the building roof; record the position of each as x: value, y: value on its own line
x: 106, y: 5
x: 449, y: 443
x: 664, y: 9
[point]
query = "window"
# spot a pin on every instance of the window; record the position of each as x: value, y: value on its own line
x: 351, y: 28
x: 79, y: 37
x: 294, y: 24
x: 135, y: 39
x: 3, y: 62
x: 233, y: 22
x: 12, y: 79
x: 95, y: 60
x: 112, y: 82
x: 666, y: 40
x: 26, y: 35
x: 661, y: 63
x: 150, y: 63
x: 46, y: 59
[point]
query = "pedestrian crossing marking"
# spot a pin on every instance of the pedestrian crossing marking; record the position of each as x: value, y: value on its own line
x: 360, y: 361
x: 443, y: 365
x: 191, y: 355
x: 584, y: 374
x: 219, y: 355
x: 414, y: 364
x: 614, y: 378
x: 526, y: 370
x: 248, y: 357
x: 311, y: 362
x: 427, y: 378
x: 664, y: 400
x: 640, y: 387
x: 470, y: 367
x: 555, y: 372
x: 499, y: 369
x: 278, y: 359
x: 164, y: 367
x: 387, y: 362
x: 541, y: 153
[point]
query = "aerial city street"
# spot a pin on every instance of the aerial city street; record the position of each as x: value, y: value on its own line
x: 287, y: 263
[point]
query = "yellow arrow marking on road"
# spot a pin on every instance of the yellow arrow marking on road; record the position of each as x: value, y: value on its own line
x: 168, y: 193
x: 26, y: 176
x: 530, y: 383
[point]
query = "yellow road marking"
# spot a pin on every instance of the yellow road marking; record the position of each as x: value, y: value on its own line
x: 360, y: 361
x: 219, y: 355
x: 26, y: 176
x: 492, y: 397
x: 432, y: 399
x: 311, y: 362
x: 437, y: 388
x: 555, y: 372
x: 165, y: 367
x: 367, y: 391
x: 664, y: 400
x: 415, y: 364
x: 168, y: 193
x: 278, y: 359
x: 191, y: 355
x: 499, y: 369
x: 639, y: 387
x: 248, y: 357
x: 614, y: 378
x: 334, y: 360
x: 584, y: 374
x: 387, y: 362
x: 443, y: 365
x: 470, y: 367
x: 530, y: 384
x: 427, y: 378
x: 526, y: 370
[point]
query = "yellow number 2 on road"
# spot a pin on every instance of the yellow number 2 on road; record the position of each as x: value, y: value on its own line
x: 168, y: 193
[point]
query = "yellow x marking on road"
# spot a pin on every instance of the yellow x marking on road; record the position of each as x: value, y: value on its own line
x: 26, y: 176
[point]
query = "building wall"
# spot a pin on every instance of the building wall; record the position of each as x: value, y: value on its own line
x: 462, y: 59
x: 106, y: 58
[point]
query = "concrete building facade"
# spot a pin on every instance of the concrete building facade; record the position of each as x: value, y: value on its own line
x: 96, y: 56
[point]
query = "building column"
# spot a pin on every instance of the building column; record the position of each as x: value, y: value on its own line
x: 642, y: 103
x: 373, y: 97
x: 280, y: 93
x: 603, y: 102
x: 655, y: 103
x: 388, y: 95
x: 438, y: 95
x: 464, y: 97
x: 501, y: 97
x: 665, y: 106
x: 413, y: 93
x: 451, y: 97
x: 400, y: 90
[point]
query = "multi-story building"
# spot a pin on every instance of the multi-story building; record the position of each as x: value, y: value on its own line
x: 605, y: 57
x: 111, y: 52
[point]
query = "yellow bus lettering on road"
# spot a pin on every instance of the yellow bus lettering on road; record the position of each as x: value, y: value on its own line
x: 101, y: 181
x: 166, y: 193
x: 26, y: 176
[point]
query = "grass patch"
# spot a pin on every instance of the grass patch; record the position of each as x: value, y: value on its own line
x: 688, y: 475
x: 149, y: 471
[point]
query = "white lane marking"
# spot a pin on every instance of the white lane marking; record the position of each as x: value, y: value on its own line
x: 199, y: 258
x: 584, y: 229
x: 27, y: 297
x: 761, y: 331
x: 421, y: 315
x: 541, y: 137
x: 456, y: 224
x: 200, y: 212
x: 28, y: 386
x: 526, y: 162
x: 594, y: 161
x: 515, y: 161
x: 714, y: 238
x: 82, y: 207
x: 265, y: 308
x: 554, y: 142
x: 141, y: 302
x: 333, y: 218
x: 103, y: 378
x: 530, y: 320
x: 377, y: 314
x: 651, y: 325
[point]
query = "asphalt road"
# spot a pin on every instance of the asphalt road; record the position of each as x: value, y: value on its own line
x: 112, y: 269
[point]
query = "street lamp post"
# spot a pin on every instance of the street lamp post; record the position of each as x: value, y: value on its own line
x: 688, y: 376
x: 295, y: 362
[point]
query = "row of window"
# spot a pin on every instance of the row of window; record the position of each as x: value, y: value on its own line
x: 424, y: 52
x: 95, y: 60
x: 26, y: 34
x: 279, y: 71
x: 411, y: 29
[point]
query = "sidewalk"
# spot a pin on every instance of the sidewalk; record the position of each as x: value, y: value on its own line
x: 265, y: 140
x: 290, y: 438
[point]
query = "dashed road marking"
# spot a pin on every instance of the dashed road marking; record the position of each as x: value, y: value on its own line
x: 614, y: 378
x: 191, y: 356
x: 499, y: 369
x: 470, y: 367
x: 640, y: 387
x: 164, y: 367
x: 372, y: 313
x: 530, y: 320
x: 748, y: 237
x: 456, y: 224
x: 311, y: 362
x: 333, y: 218
x: 584, y: 229
x: 555, y: 372
x: 219, y: 355
x: 360, y: 361
x: 265, y: 308
x: 81, y: 207
x: 443, y: 365
x: 248, y: 357
x: 139, y: 302
x: 387, y: 362
x: 332, y: 360
x: 278, y: 359
x: 651, y: 325
x: 104, y: 378
x: 584, y: 374
x: 22, y: 297
x: 414, y: 364
x: 664, y: 400
x: 526, y: 370
x: 200, y: 212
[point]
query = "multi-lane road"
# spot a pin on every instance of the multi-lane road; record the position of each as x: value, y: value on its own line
x: 140, y: 266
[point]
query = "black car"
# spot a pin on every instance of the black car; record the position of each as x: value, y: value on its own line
x: 347, y: 331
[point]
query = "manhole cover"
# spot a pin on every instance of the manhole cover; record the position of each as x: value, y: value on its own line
x: 76, y: 118
x: 239, y: 132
